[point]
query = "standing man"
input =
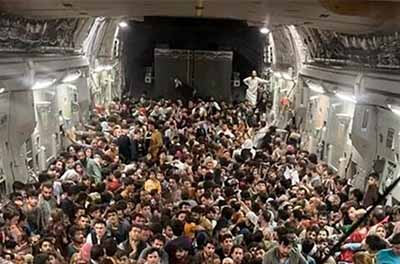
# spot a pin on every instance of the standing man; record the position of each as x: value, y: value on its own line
x: 252, y: 83
x: 47, y: 203
x: 93, y: 168
x: 156, y: 140
x: 322, y: 141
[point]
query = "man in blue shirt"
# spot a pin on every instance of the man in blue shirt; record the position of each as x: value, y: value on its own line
x: 391, y: 255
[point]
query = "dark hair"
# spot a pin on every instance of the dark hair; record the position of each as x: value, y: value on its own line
x: 15, y: 195
x: 111, y: 210
x: 197, y: 209
x: 137, y: 226
x: 110, y: 246
x: 225, y: 236
x: 117, y: 174
x: 313, y: 228
x: 17, y: 186
x: 379, y: 213
x: 121, y: 205
x: 323, y: 212
x: 43, y: 177
x: 283, y: 214
x: 84, y: 216
x: 183, y: 203
x: 9, y: 213
x: 158, y: 237
x: 357, y: 194
x: 374, y: 175
x: 45, y: 239
x: 283, y: 235
x: 227, y: 212
x: 206, y: 195
x: 100, y: 221
x: 307, y: 245
x: 96, y: 252
x: 210, y: 241
x: 135, y: 215
x: 73, y: 230
x: 325, y: 230
x: 235, y: 247
x: 177, y: 227
x: 151, y: 251
x: 375, y: 243
x: 93, y: 207
x: 313, y: 158
x: 396, y: 239
x: 286, y: 240
x: 41, y: 258
x: 47, y: 185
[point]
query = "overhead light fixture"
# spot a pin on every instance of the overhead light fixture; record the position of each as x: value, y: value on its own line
x: 2, y: 90
x: 346, y: 97
x: 394, y: 109
x: 72, y: 77
x: 42, y: 84
x: 123, y: 24
x: 317, y: 88
x: 264, y: 30
x: 101, y: 68
x: 343, y: 115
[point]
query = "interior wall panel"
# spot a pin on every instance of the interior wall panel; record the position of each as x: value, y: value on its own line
x: 170, y: 64
x: 212, y: 74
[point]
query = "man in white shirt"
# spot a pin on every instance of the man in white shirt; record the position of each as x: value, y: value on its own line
x: 252, y: 83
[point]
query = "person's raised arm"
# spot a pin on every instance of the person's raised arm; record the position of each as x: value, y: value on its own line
x: 246, y: 81
x: 263, y: 81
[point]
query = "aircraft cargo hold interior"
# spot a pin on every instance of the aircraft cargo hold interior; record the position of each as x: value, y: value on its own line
x: 200, y: 131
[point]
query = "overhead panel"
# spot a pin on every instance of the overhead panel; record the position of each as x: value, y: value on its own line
x: 284, y: 51
x: 383, y: 84
x: 58, y: 63
x: 331, y: 77
x: 13, y: 69
x: 273, y: 12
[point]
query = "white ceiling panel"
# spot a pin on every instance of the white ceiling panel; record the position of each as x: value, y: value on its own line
x: 270, y: 12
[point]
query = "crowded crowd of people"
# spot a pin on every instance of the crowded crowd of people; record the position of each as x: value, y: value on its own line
x: 208, y: 182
